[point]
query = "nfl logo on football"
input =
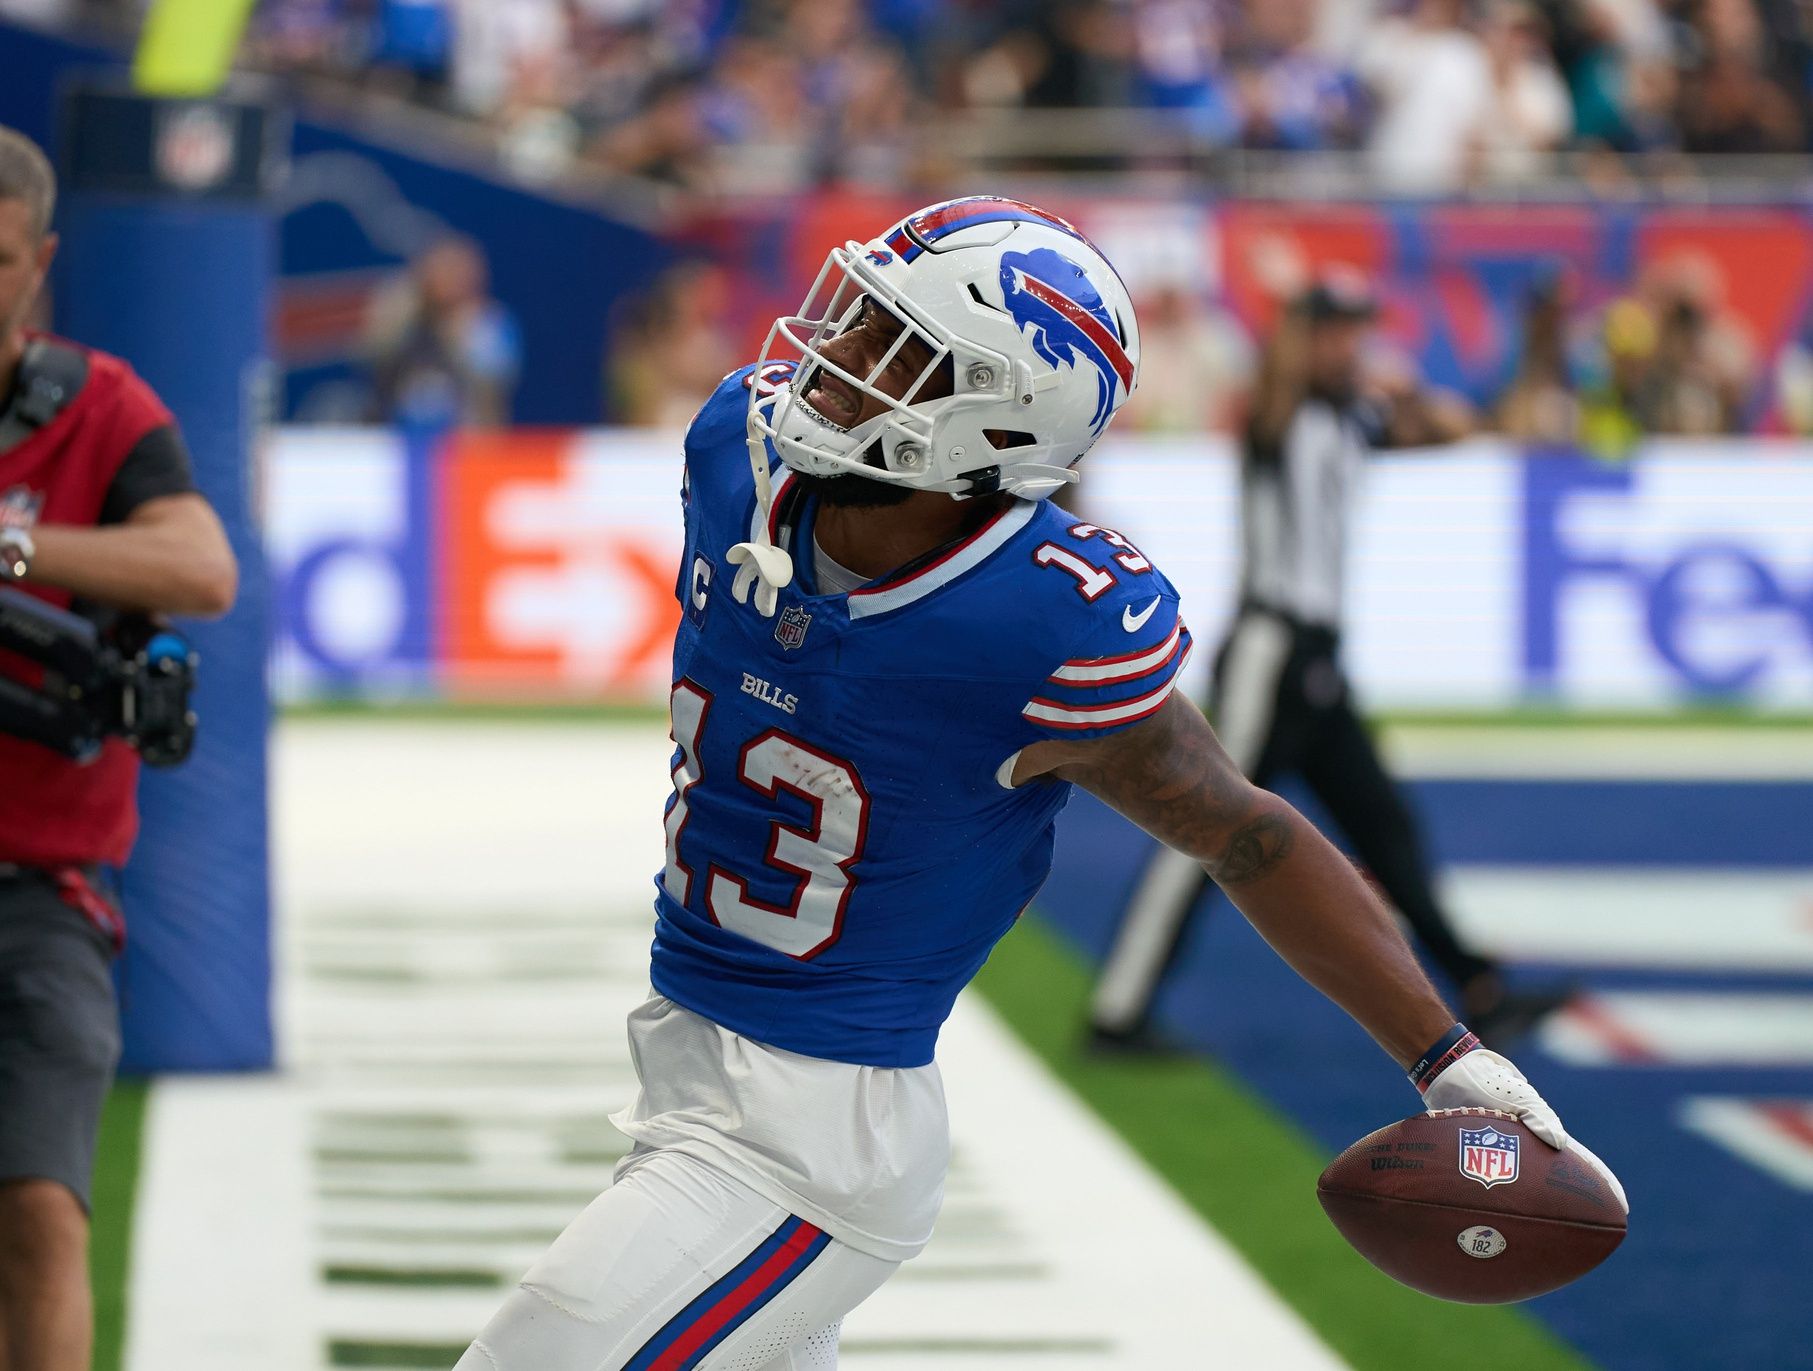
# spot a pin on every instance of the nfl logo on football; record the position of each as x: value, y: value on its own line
x: 790, y: 632
x: 1488, y: 1156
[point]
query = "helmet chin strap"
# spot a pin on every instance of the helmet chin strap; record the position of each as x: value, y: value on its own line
x: 761, y: 566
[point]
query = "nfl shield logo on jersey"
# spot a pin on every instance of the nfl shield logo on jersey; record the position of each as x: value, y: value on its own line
x: 1488, y: 1156
x: 790, y: 632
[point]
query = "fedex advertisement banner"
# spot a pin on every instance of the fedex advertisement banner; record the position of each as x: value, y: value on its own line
x: 533, y: 562
x: 541, y: 564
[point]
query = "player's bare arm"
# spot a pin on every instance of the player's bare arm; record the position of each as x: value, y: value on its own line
x: 169, y: 556
x: 1171, y: 776
x: 1283, y: 377
x: 1419, y: 415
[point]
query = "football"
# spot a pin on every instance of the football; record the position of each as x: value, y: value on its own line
x: 1469, y: 1205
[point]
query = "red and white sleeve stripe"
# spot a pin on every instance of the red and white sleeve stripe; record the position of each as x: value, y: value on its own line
x: 1105, y: 693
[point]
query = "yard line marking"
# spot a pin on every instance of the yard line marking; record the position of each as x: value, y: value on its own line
x: 1621, y: 1042
x: 1603, y: 752
x: 1683, y: 1028
x: 1775, y: 1136
x: 1638, y: 916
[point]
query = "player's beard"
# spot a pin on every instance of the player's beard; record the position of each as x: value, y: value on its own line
x: 851, y: 491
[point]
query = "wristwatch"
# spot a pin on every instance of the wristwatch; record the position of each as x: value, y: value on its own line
x: 16, y: 552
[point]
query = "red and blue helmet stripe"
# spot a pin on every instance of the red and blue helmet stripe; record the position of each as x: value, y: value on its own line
x: 914, y: 235
x: 1067, y: 322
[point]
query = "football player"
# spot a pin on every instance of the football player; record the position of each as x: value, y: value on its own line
x: 896, y: 658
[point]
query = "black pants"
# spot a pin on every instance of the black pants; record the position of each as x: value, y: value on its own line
x: 1281, y: 706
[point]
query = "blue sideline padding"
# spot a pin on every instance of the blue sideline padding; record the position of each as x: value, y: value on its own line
x: 166, y: 261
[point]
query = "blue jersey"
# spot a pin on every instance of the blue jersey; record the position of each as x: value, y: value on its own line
x: 843, y: 845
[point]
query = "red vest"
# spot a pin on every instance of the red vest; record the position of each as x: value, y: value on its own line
x: 53, y: 812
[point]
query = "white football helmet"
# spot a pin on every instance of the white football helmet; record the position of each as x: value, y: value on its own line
x: 1033, y: 323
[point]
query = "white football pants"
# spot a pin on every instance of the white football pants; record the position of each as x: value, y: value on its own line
x: 675, y: 1267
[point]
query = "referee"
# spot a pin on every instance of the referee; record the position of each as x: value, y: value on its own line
x: 97, y: 508
x: 1280, y: 702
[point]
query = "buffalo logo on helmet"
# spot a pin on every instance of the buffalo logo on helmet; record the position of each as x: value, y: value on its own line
x: 1488, y: 1156
x: 1053, y: 300
x: 790, y: 632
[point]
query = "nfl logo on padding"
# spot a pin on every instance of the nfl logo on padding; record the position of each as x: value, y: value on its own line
x: 790, y: 632
x: 1488, y: 1156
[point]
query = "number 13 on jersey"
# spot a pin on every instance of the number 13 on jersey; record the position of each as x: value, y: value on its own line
x: 816, y: 858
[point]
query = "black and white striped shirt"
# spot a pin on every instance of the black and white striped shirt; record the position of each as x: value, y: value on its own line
x: 1295, y: 497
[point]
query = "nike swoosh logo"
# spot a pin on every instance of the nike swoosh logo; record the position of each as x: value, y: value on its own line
x: 1132, y: 622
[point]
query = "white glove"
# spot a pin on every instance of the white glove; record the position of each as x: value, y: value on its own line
x: 1482, y: 1079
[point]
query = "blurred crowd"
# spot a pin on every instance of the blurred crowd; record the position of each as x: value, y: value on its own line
x: 713, y: 95
x: 1666, y: 357
x: 772, y: 95
x: 777, y: 94
x: 438, y: 351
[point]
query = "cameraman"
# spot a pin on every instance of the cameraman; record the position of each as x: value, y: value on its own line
x: 96, y: 505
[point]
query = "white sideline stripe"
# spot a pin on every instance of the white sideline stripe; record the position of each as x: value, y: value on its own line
x: 1740, y: 1128
x: 1684, y: 1028
x: 221, y: 1275
x: 1693, y: 920
x: 1751, y: 753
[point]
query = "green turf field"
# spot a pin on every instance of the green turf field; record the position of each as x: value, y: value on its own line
x: 115, y: 1188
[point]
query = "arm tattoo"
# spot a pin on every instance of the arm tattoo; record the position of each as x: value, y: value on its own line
x: 1254, y: 849
x: 1172, y: 778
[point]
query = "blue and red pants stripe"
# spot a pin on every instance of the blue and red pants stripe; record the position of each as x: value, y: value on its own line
x: 734, y: 1299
